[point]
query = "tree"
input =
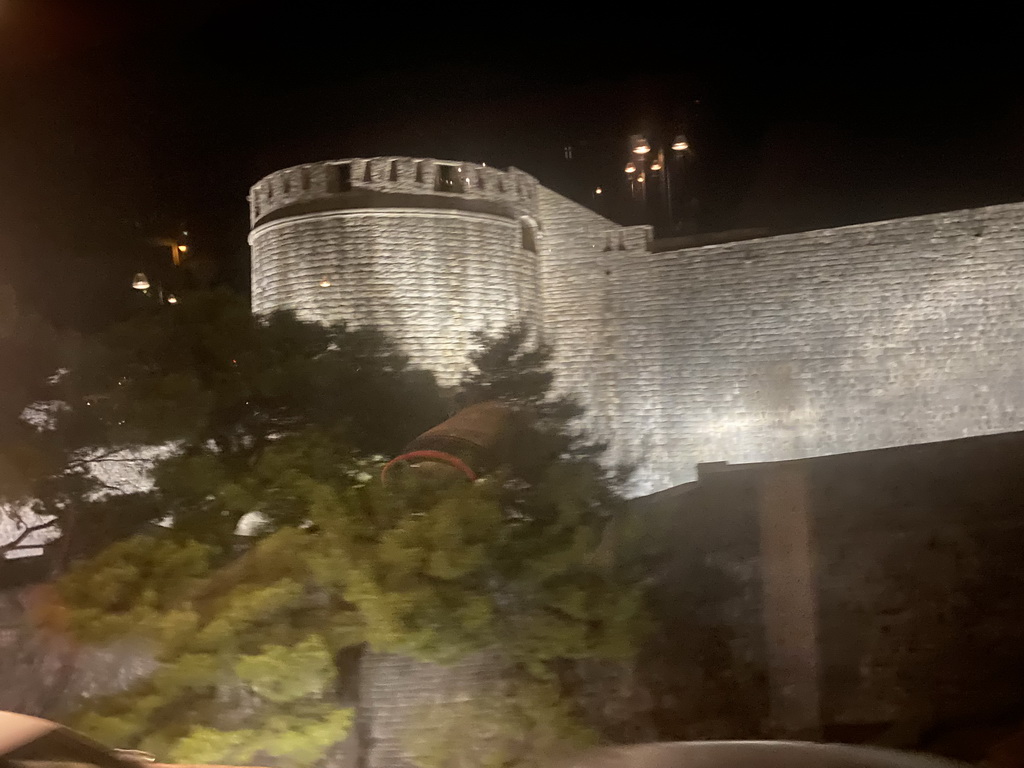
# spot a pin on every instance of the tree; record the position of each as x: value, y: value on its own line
x: 568, y: 595
x: 288, y: 421
x: 509, y: 369
x: 245, y: 650
x: 31, y: 458
x: 256, y: 417
x: 219, y: 389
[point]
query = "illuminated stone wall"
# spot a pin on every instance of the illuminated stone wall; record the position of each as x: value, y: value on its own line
x: 582, y: 319
x: 848, y: 339
x: 427, y: 265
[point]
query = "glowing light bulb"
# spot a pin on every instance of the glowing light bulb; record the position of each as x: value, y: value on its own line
x: 140, y: 282
x: 325, y: 283
x: 172, y: 299
x: 655, y: 166
x: 680, y: 144
x: 640, y: 145
x: 598, y: 191
x: 630, y: 168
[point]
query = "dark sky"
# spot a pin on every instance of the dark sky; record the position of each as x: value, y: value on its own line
x: 121, y: 122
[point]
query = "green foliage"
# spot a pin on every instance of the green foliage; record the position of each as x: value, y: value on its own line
x: 417, y: 568
x: 564, y: 516
x: 241, y: 397
x: 208, y: 371
x: 290, y: 741
x: 245, y: 650
x: 284, y: 420
x: 137, y: 587
x: 281, y: 674
x: 441, y: 575
x: 507, y: 368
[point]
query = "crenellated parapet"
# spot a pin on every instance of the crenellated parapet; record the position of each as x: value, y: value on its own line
x: 338, y: 183
x: 429, y: 251
x: 634, y: 238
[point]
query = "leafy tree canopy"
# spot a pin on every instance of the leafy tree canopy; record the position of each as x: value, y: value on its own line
x: 287, y: 421
x: 236, y: 398
x: 31, y: 459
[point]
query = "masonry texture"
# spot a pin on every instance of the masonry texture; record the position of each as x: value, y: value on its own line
x: 876, y: 335
x: 427, y: 268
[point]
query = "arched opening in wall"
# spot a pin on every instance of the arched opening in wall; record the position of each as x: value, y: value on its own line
x: 393, y: 173
x: 339, y: 177
x: 368, y: 171
x: 286, y: 183
x: 269, y: 190
x: 529, y: 234
x: 480, y: 179
x: 304, y: 178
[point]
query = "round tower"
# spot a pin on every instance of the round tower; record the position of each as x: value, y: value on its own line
x: 429, y: 251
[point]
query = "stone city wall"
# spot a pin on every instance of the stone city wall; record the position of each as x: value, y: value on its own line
x: 883, y: 334
x: 577, y: 318
x: 839, y: 340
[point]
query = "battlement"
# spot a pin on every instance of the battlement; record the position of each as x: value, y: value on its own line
x: 631, y: 238
x: 314, y: 182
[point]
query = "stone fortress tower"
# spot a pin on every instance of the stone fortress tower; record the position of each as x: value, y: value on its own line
x: 428, y: 251
x: 848, y: 339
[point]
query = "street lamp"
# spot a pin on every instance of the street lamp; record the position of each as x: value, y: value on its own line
x: 637, y: 172
x: 640, y: 145
x: 141, y: 283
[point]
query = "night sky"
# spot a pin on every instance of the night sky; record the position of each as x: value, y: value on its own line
x: 124, y: 122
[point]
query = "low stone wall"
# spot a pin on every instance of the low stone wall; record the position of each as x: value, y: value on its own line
x: 901, y: 609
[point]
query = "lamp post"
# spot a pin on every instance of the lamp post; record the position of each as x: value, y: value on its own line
x: 142, y: 283
x: 640, y: 165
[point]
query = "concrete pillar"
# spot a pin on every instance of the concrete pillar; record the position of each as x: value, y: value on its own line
x: 789, y: 600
